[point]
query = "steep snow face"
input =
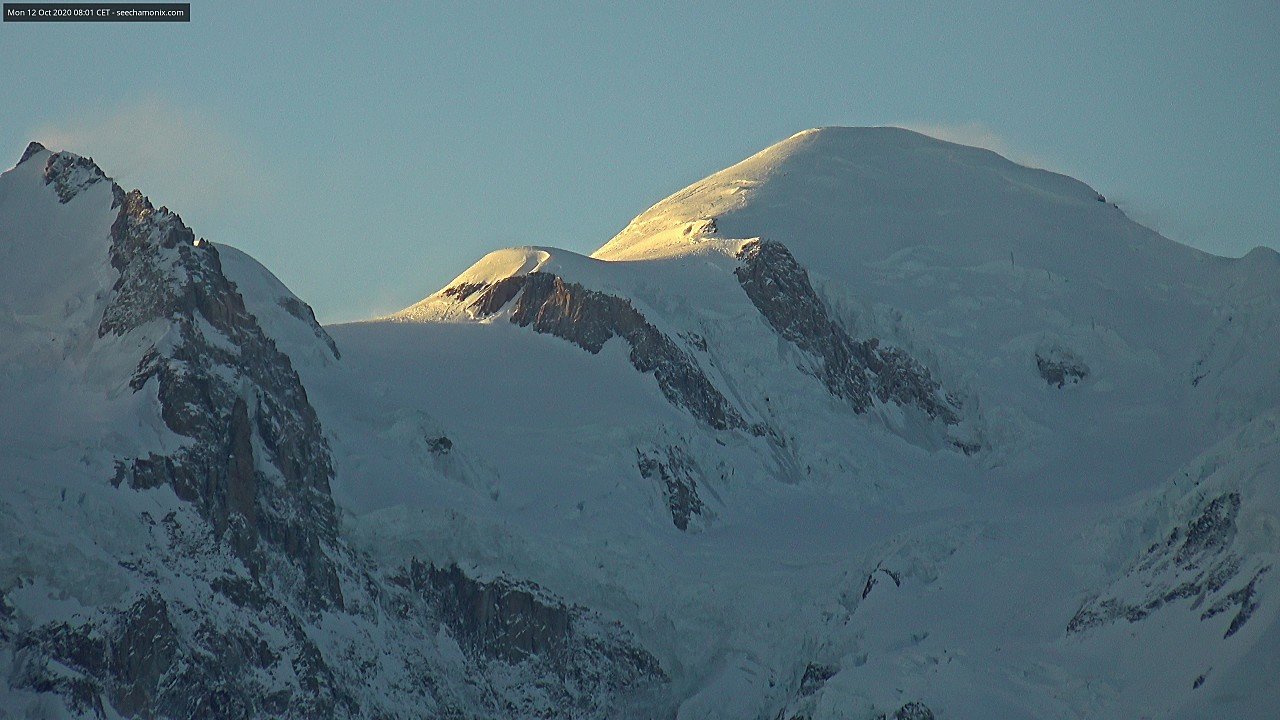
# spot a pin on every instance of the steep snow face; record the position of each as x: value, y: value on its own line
x: 1017, y: 288
x: 1190, y: 569
x: 848, y: 197
x: 50, y: 269
x: 999, y: 271
x: 945, y: 366
x: 283, y: 316
x: 868, y: 425
x: 169, y: 541
x: 156, y: 417
x: 732, y: 294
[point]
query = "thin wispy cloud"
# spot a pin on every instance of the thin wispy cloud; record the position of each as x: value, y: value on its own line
x: 978, y: 135
x: 179, y: 157
x: 1168, y: 219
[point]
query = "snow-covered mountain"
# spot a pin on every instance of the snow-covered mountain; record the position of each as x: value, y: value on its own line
x: 868, y: 425
x: 169, y: 541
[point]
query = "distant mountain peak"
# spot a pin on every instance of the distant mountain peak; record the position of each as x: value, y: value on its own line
x: 71, y: 174
x: 32, y: 148
x: 842, y: 197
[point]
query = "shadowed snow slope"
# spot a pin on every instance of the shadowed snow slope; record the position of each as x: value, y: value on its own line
x: 913, y: 383
x: 169, y: 541
x: 869, y: 425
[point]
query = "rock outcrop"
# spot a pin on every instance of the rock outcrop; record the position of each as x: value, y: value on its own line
x: 1196, y: 563
x: 1060, y: 367
x: 678, y: 473
x: 507, y: 627
x: 223, y: 383
x: 588, y: 318
x: 236, y: 594
x: 860, y: 372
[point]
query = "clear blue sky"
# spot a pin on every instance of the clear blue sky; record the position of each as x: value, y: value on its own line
x: 369, y: 152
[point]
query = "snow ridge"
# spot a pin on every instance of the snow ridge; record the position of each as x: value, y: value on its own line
x: 228, y: 589
x: 867, y: 425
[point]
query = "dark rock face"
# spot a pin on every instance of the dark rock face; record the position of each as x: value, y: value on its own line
x: 912, y: 711
x: 256, y: 474
x: 439, y: 446
x: 134, y: 654
x: 857, y: 371
x: 69, y: 174
x: 875, y: 576
x: 861, y: 372
x: 32, y: 149
x: 514, y: 624
x: 243, y: 601
x: 500, y: 619
x: 246, y: 655
x: 1196, y: 563
x: 1060, y: 367
x: 805, y: 701
x: 220, y: 651
x: 282, y: 498
x: 815, y: 676
x: 588, y: 319
x: 678, y: 473
x: 1244, y: 601
x: 1214, y: 529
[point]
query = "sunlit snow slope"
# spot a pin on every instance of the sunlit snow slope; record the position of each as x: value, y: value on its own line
x: 868, y: 425
x: 871, y: 419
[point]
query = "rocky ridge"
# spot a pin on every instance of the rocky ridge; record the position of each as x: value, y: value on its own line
x: 241, y: 598
x: 588, y: 318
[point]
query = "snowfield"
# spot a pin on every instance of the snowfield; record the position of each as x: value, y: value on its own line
x: 869, y: 425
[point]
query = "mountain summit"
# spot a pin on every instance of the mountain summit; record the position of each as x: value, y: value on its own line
x: 866, y: 425
x: 868, y: 193
x: 910, y: 325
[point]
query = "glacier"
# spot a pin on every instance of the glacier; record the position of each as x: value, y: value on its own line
x: 869, y: 425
